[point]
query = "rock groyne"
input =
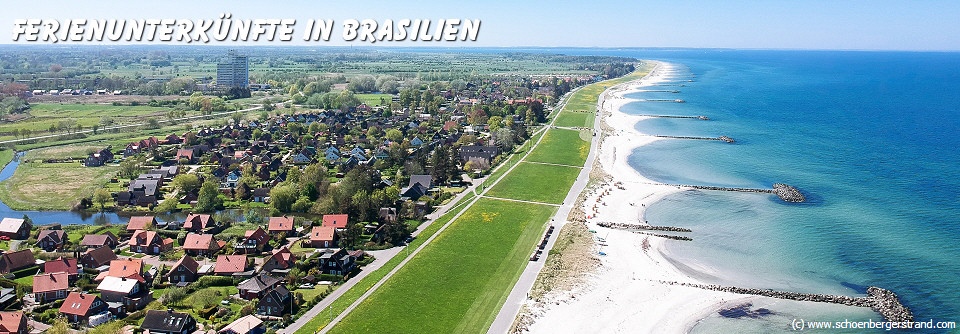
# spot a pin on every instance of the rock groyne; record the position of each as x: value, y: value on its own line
x: 882, y: 301
x: 788, y: 193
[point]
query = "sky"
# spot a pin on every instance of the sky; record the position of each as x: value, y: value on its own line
x: 918, y: 25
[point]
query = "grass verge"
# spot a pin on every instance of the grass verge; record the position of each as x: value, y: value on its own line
x: 456, y: 284
x: 561, y: 146
x: 536, y: 182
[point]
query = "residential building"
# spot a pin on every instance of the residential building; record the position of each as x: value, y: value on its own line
x: 106, y: 239
x: 253, y: 241
x: 13, y: 323
x: 168, y: 322
x: 79, y: 306
x: 248, y: 324
x: 323, y: 236
x: 231, y: 265
x: 95, y: 258
x: 336, y: 262
x: 200, y: 244
x: 63, y: 265
x: 281, y: 225
x: 51, y: 240
x: 50, y: 287
x: 257, y: 286
x: 198, y: 223
x: 280, y: 262
x: 233, y: 71
x: 131, y: 293
x: 13, y: 261
x: 15, y: 228
x: 276, y: 302
x: 141, y: 223
x: 149, y: 242
x: 185, y: 270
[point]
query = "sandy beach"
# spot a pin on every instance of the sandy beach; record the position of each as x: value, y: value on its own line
x: 625, y: 294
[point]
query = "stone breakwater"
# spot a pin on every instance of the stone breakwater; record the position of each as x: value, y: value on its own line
x: 788, y: 193
x: 666, y: 236
x: 882, y: 301
x: 627, y: 226
x: 725, y: 139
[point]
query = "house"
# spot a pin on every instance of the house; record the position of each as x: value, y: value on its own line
x: 13, y: 323
x: 337, y: 221
x: 130, y: 293
x: 336, y: 262
x: 248, y: 324
x: 257, y: 286
x: 261, y: 195
x: 15, y: 228
x: 13, y: 261
x: 149, y: 242
x: 231, y: 265
x: 139, y: 223
x: 302, y: 157
x: 95, y: 258
x: 91, y: 241
x: 417, y: 187
x: 98, y: 158
x: 51, y: 240
x: 8, y: 297
x: 200, y: 244
x: 50, y: 286
x: 168, y: 322
x: 186, y: 154
x: 387, y: 215
x: 198, y: 223
x: 323, y: 236
x: 416, y: 142
x: 281, y: 225
x: 253, y: 241
x: 79, y: 306
x: 280, y: 262
x: 185, y: 270
x: 276, y: 302
x: 63, y: 265
x: 125, y: 268
x: 485, y: 153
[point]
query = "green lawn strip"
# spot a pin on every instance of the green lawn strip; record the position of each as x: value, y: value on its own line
x: 6, y: 156
x: 582, y: 104
x: 54, y: 186
x: 464, y: 270
x: 536, y: 182
x: 74, y: 151
x: 561, y: 146
x: 370, y: 280
x: 375, y: 99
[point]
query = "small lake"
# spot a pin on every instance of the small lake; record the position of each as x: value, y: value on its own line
x: 75, y: 217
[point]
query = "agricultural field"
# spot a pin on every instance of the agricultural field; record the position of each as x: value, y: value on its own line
x: 43, y: 116
x: 53, y: 186
x: 457, y: 283
x: 374, y: 100
x: 536, y: 182
x: 562, y: 146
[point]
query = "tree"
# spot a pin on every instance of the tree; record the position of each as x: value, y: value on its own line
x: 59, y: 327
x: 174, y: 297
x: 209, y: 197
x: 185, y: 183
x: 283, y: 196
x: 102, y: 196
x: 130, y: 168
x: 394, y: 135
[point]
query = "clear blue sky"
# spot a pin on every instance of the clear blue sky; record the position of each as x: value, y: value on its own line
x: 792, y: 24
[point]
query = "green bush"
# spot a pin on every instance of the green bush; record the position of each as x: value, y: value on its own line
x: 208, y: 281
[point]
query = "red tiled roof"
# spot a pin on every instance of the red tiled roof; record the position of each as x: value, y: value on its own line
x: 126, y: 268
x: 196, y: 221
x: 10, y: 321
x: 78, y: 303
x: 229, y: 264
x: 50, y: 282
x: 187, y: 262
x: 322, y: 233
x: 199, y: 242
x: 280, y: 224
x: 61, y: 265
x: 338, y: 221
x: 139, y: 222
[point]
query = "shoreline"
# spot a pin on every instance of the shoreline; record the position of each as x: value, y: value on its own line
x: 625, y: 293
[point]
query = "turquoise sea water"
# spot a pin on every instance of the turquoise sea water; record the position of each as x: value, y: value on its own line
x: 870, y: 137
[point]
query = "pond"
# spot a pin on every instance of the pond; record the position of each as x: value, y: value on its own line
x: 80, y: 217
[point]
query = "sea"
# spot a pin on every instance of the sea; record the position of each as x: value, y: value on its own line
x: 871, y: 138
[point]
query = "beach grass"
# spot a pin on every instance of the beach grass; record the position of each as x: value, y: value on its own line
x: 53, y: 186
x: 457, y: 283
x: 536, y: 182
x: 561, y: 146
